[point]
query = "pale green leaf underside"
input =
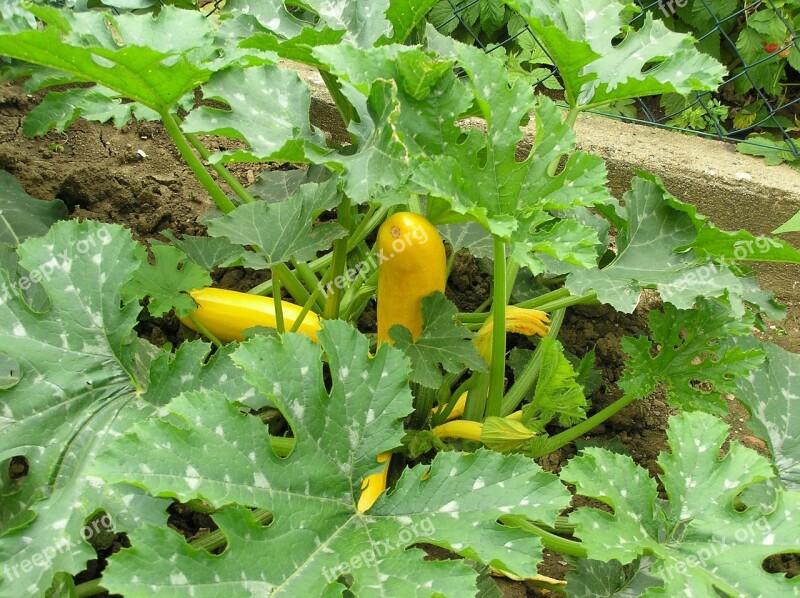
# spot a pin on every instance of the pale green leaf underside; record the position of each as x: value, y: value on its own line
x: 772, y: 395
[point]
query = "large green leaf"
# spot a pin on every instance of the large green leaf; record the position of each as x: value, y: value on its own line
x: 480, y: 173
x: 317, y: 534
x: 653, y: 227
x: 283, y: 231
x: 581, y: 36
x: 84, y: 379
x: 694, y: 359
x: 771, y: 393
x: 701, y: 542
x: 113, y: 51
x: 442, y: 341
x: 23, y: 216
x: 269, y: 112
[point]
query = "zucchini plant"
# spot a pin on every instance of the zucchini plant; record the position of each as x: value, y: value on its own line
x: 376, y: 446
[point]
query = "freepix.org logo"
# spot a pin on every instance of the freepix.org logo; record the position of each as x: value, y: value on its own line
x: 415, y: 236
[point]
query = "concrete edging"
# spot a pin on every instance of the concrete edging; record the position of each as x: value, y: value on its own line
x: 735, y: 190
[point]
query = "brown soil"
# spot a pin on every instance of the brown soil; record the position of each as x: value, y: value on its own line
x: 100, y: 173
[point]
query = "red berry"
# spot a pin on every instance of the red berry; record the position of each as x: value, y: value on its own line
x: 769, y: 48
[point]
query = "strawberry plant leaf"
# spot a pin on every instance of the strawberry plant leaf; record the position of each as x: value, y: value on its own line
x: 23, y: 216
x: 596, y: 68
x: 259, y: 99
x: 83, y: 45
x: 442, y: 341
x: 694, y: 359
x: 652, y: 228
x: 315, y: 521
x: 283, y: 231
x: 701, y: 542
x: 167, y: 282
x: 771, y: 394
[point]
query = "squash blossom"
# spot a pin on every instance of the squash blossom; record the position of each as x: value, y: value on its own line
x: 518, y: 319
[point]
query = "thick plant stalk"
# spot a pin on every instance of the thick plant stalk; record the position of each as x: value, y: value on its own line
x: 498, y: 363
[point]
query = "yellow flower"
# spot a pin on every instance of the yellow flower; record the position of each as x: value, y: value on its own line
x: 518, y: 319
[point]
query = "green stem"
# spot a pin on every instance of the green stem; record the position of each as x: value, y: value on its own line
x: 450, y: 261
x: 512, y: 269
x: 225, y: 174
x: 346, y: 110
x: 276, y: 298
x: 310, y: 280
x: 281, y: 445
x: 205, y: 332
x: 556, y: 442
x: 414, y: 204
x: 218, y: 195
x: 89, y: 588
x: 549, y: 539
x: 425, y: 398
x: 476, y: 399
x: 498, y: 365
x: 216, y: 539
x: 524, y: 384
x: 306, y: 308
x: 290, y: 282
x: 551, y: 300
x: 340, y: 250
x: 442, y: 415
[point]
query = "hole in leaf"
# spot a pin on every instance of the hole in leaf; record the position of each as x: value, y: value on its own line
x: 788, y: 564
x: 17, y: 467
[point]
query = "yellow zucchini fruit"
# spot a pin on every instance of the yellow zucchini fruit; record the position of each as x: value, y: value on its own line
x: 227, y: 314
x: 374, y: 485
x: 412, y: 265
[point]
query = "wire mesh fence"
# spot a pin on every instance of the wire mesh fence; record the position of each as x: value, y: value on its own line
x: 758, y: 40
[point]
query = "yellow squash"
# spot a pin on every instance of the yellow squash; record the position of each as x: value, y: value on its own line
x: 412, y: 265
x: 227, y: 314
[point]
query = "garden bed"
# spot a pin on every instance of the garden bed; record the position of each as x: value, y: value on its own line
x: 134, y: 176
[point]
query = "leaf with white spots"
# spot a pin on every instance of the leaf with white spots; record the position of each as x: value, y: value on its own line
x: 23, y: 216
x: 357, y: 22
x: 113, y: 51
x: 283, y: 231
x: 694, y: 358
x: 482, y: 175
x: 771, y: 393
x: 597, y: 67
x: 596, y: 579
x: 268, y: 110
x: 316, y: 534
x: 84, y: 379
x: 654, y: 230
x: 442, y: 341
x: 702, y: 538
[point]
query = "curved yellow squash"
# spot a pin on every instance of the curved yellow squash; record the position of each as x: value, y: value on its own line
x: 227, y: 314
